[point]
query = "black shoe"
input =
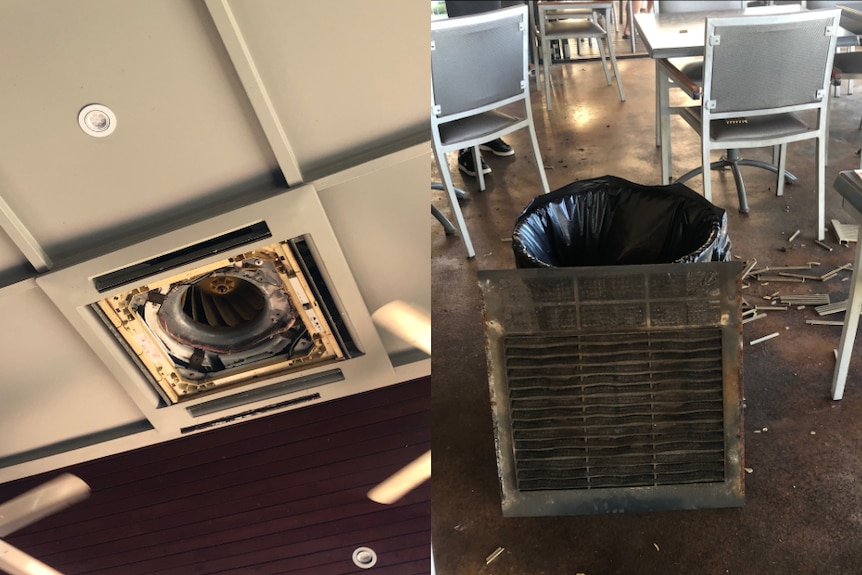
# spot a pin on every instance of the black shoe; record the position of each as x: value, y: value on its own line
x: 466, y: 165
x: 497, y: 147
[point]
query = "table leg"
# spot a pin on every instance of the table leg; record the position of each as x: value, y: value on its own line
x: 662, y: 89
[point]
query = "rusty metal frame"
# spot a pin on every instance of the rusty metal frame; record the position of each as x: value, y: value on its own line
x: 505, y: 293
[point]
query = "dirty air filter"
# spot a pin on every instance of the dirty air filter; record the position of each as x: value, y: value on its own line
x: 616, y: 389
x: 247, y: 316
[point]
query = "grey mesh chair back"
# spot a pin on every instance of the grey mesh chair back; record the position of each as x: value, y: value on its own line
x: 478, y: 65
x: 759, y: 73
x: 742, y: 70
x: 561, y: 21
x: 674, y: 6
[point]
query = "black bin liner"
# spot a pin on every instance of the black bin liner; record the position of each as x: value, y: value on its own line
x: 611, y: 221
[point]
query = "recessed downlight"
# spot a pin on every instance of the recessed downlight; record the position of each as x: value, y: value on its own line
x: 364, y: 557
x: 97, y: 120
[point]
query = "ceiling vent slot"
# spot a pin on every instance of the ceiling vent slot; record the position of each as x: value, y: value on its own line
x: 616, y: 388
x: 182, y: 257
x: 250, y: 413
x: 267, y: 392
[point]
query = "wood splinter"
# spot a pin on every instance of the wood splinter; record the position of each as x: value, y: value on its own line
x: 764, y: 338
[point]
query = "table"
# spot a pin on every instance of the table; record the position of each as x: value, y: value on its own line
x: 851, y: 16
x: 849, y: 185
x: 562, y: 20
x: 680, y: 35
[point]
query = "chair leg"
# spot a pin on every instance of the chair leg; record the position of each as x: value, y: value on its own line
x: 604, y: 62
x: 616, y: 69
x: 828, y: 119
x: 821, y: 187
x: 707, y: 173
x: 851, y: 326
x: 546, y: 64
x: 538, y: 155
x: 536, y: 56
x: 453, y: 202
x: 477, y: 165
x: 782, y: 168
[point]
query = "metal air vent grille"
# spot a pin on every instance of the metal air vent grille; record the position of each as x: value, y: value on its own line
x: 616, y: 388
x: 623, y: 410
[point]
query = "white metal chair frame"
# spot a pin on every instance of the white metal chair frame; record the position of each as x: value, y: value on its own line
x: 691, y: 66
x: 753, y: 102
x: 478, y: 65
x: 565, y: 20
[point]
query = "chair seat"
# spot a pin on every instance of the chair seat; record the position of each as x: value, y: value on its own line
x: 573, y: 27
x: 848, y: 62
x: 691, y: 67
x: 475, y: 127
x: 751, y: 130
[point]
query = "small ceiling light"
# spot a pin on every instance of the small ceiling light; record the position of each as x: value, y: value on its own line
x: 97, y: 120
x: 364, y: 557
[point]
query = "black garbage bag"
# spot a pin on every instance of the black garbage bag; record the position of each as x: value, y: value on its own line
x: 611, y: 221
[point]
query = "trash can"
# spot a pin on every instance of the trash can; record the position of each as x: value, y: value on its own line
x: 611, y: 221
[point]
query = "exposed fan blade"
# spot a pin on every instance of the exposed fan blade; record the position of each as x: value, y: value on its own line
x: 44, y: 500
x: 402, y: 482
x: 16, y: 562
x: 408, y: 322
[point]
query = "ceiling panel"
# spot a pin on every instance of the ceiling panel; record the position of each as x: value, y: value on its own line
x: 350, y: 78
x: 56, y: 388
x: 185, y: 137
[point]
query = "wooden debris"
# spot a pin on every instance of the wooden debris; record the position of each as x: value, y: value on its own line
x: 822, y: 322
x: 748, y: 267
x: 754, y: 317
x: 823, y: 245
x: 811, y: 299
x: 845, y: 233
x: 493, y: 555
x: 777, y: 278
x: 764, y: 338
x: 837, y: 307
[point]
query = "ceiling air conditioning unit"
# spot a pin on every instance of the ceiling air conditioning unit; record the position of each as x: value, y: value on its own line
x: 246, y: 312
x: 616, y: 389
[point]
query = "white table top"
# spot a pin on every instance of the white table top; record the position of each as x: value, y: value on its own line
x: 849, y: 185
x: 851, y: 16
x: 676, y: 35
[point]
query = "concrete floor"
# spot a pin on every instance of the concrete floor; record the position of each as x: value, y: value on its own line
x: 803, y: 511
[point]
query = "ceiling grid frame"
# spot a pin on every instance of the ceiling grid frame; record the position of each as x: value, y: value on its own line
x: 243, y: 62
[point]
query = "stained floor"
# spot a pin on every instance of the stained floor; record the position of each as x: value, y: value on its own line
x: 803, y: 510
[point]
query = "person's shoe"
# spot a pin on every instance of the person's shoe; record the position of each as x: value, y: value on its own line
x: 466, y: 164
x: 497, y: 147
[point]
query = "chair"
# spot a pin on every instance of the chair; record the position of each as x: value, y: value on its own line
x: 751, y: 102
x: 691, y: 67
x: 564, y: 20
x: 478, y: 65
x: 846, y: 66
